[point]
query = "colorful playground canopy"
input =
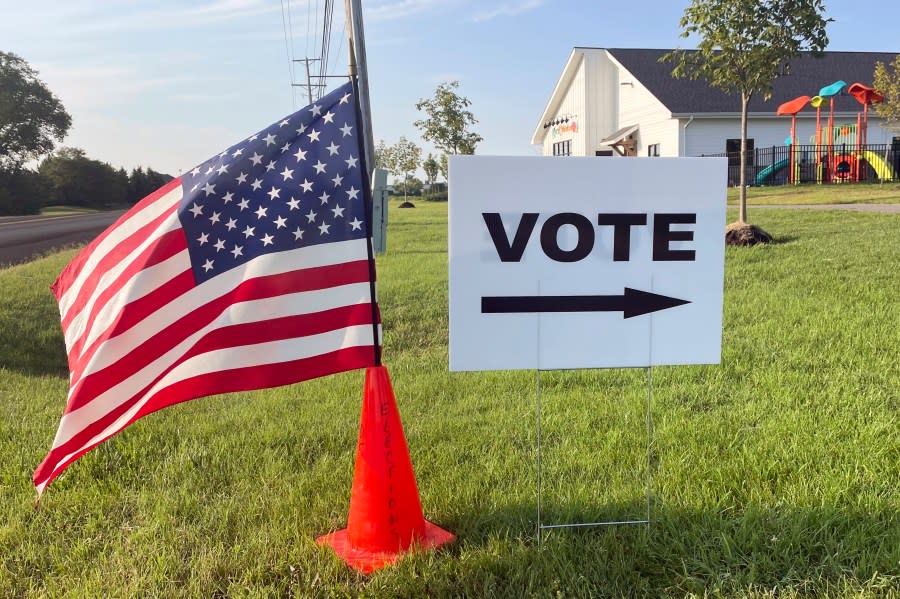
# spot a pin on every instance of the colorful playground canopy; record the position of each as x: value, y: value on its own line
x: 864, y: 94
x: 792, y: 107
x: 833, y: 89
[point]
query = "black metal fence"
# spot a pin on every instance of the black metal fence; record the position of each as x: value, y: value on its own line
x: 840, y: 163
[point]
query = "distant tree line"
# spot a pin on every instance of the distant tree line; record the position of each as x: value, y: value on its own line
x: 68, y: 177
x: 32, y: 119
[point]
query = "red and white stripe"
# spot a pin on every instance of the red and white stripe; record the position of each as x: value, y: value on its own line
x: 142, y: 335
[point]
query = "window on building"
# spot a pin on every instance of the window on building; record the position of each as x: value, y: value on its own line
x: 653, y: 150
x: 733, y: 150
x: 562, y: 148
x: 603, y: 153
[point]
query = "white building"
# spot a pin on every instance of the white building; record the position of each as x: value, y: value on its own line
x: 610, y: 101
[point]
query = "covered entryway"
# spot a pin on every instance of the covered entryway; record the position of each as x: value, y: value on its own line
x: 623, y: 141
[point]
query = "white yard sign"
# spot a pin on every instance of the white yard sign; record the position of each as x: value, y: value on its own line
x: 585, y: 262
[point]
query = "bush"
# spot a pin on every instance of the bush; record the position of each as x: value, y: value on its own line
x: 437, y: 196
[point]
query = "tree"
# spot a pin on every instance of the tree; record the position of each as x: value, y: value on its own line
x: 138, y: 186
x: 444, y: 168
x: 383, y: 158
x: 141, y: 183
x: 886, y: 81
x: 31, y: 117
x: 406, y: 158
x: 77, y: 180
x: 156, y: 180
x: 430, y: 166
x: 22, y: 191
x: 448, y: 121
x: 744, y: 46
x: 410, y: 186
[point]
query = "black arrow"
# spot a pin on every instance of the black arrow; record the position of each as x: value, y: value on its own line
x: 631, y: 303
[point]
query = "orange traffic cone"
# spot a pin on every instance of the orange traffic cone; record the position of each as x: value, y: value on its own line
x: 385, y: 519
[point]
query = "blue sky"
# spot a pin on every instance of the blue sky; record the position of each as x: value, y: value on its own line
x: 167, y: 84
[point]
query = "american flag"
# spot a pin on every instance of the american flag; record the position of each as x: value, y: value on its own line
x: 252, y: 270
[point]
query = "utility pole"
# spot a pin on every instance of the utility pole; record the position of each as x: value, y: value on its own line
x: 378, y: 213
x: 309, y: 84
x: 359, y: 68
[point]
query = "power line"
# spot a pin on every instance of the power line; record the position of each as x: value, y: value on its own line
x: 308, y: 22
x: 328, y: 14
x: 290, y: 27
x: 290, y: 60
x: 316, y: 33
x: 341, y: 43
x: 318, y: 39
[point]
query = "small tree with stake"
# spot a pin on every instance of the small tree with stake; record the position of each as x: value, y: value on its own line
x: 407, y: 156
x: 383, y: 157
x: 430, y: 166
x: 744, y: 46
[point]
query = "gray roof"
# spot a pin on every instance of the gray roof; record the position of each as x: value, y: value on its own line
x: 808, y: 76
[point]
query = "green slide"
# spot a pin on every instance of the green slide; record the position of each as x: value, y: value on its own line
x: 771, y: 170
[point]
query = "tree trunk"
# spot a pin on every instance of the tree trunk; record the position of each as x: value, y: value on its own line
x: 742, y: 214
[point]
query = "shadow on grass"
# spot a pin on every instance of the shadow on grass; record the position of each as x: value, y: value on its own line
x: 815, y: 551
x: 31, y: 339
x: 785, y: 239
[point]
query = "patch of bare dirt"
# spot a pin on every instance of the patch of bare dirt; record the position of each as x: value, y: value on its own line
x: 740, y: 233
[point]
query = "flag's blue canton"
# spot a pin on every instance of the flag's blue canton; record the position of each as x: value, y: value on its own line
x: 293, y: 184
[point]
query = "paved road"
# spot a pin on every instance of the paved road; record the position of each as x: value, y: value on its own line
x: 23, y: 238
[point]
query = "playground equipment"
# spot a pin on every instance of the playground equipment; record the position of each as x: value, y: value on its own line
x: 848, y: 165
x: 791, y: 108
x: 830, y: 91
x: 771, y: 171
x: 865, y: 95
x: 845, y: 151
x: 882, y: 168
x: 816, y: 102
x: 843, y: 163
x: 841, y: 150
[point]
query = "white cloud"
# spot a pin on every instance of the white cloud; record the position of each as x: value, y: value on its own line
x: 94, y: 88
x: 95, y: 17
x: 507, y: 9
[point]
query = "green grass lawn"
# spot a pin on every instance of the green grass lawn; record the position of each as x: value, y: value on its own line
x: 774, y: 474
x: 65, y: 210
x: 812, y: 193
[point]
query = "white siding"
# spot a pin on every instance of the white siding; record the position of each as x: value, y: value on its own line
x: 637, y: 106
x: 878, y: 135
x: 602, y: 99
x: 708, y: 135
x: 572, y: 106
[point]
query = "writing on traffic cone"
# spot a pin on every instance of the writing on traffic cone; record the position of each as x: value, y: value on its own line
x: 385, y: 520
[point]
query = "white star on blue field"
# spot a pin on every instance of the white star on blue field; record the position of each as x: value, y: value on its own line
x: 296, y: 183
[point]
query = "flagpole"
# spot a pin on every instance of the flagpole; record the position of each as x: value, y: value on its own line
x: 360, y: 81
x: 359, y: 69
